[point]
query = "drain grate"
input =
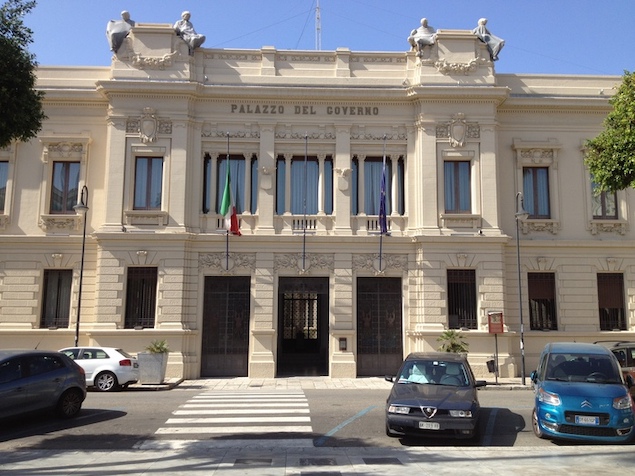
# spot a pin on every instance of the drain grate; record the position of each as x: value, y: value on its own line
x: 317, y: 462
x: 381, y: 461
x: 254, y: 461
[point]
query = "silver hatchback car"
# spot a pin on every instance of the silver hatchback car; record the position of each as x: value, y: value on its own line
x: 33, y: 380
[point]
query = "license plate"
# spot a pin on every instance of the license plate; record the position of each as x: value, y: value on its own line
x: 426, y: 425
x: 587, y: 420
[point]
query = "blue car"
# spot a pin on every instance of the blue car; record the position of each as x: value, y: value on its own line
x: 580, y: 394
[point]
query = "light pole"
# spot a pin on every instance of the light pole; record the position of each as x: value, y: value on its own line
x: 81, y: 209
x: 521, y: 215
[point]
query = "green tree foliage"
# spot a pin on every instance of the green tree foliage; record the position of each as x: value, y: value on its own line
x: 452, y: 341
x: 21, y: 113
x: 611, y: 155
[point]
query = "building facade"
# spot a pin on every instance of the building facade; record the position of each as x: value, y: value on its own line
x: 312, y: 286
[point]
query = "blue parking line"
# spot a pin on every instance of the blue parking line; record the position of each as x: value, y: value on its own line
x: 322, y: 439
x: 489, y: 430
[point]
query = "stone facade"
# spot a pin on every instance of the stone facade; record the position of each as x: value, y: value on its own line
x: 342, y: 108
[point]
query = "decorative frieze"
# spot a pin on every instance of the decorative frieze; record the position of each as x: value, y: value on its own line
x: 368, y: 262
x: 447, y: 68
x: 153, y: 62
x: 296, y: 261
x: 225, y: 262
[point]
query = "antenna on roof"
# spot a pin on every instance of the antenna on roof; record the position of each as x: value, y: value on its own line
x: 318, y: 28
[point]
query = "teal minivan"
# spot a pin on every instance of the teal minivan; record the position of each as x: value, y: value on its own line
x: 580, y: 394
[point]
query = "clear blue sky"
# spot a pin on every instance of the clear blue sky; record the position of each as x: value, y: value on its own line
x: 541, y: 36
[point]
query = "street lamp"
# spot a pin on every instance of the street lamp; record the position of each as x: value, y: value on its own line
x: 521, y: 215
x: 81, y: 209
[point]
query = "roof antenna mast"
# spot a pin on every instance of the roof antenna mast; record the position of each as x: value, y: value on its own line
x: 318, y: 28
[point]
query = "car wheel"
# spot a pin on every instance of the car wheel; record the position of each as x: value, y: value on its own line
x: 106, y: 382
x: 536, y: 425
x: 70, y: 403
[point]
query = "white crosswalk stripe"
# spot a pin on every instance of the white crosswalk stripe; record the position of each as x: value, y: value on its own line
x: 241, y: 415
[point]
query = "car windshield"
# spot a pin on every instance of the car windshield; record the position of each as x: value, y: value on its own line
x: 568, y: 367
x: 434, y: 372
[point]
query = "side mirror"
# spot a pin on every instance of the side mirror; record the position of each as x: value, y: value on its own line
x: 533, y: 376
x: 630, y: 382
x: 480, y: 383
x: 389, y: 378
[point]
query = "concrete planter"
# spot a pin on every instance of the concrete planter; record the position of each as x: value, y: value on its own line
x: 152, y: 367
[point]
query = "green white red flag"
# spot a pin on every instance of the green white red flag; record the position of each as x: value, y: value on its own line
x: 228, y: 207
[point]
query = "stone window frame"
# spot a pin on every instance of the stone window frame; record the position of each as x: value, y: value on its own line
x: 604, y: 225
x: 461, y: 220
x: 61, y: 149
x: 540, y: 154
x: 143, y: 218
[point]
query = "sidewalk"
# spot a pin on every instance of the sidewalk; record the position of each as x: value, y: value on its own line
x: 308, y: 383
x: 259, y: 459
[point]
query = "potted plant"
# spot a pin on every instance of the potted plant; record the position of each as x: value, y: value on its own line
x: 153, y: 362
x: 452, y: 341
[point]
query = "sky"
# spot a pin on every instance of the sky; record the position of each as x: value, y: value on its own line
x: 585, y: 37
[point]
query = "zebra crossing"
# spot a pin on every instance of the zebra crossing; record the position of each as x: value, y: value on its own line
x: 226, y: 416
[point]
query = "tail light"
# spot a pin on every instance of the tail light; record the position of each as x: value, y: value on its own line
x: 125, y: 363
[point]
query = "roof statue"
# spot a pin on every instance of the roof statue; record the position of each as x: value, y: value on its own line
x: 494, y: 43
x: 423, y: 36
x: 117, y: 31
x: 185, y: 30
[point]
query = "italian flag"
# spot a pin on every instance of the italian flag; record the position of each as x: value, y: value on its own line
x: 228, y: 207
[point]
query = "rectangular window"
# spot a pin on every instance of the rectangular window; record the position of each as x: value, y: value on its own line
x: 542, y: 301
x: 213, y: 192
x: 373, y: 170
x: 462, y: 299
x: 236, y: 179
x: 56, y: 302
x: 4, y: 177
x: 458, y: 194
x: 148, y: 183
x: 604, y: 204
x: 304, y: 185
x: 141, y: 293
x: 281, y: 177
x: 536, y: 192
x: 305, y: 182
x: 611, y: 301
x: 64, y: 188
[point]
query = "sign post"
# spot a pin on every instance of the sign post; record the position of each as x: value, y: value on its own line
x: 495, y: 325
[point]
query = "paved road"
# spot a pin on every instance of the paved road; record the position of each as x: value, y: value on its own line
x: 286, y: 431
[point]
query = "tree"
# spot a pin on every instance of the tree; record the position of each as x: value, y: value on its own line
x: 611, y: 155
x: 21, y: 113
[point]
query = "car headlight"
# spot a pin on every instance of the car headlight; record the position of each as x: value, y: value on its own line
x: 398, y: 409
x: 548, y: 397
x: 622, y: 403
x: 461, y: 413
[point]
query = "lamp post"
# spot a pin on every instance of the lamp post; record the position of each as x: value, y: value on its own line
x: 81, y: 209
x: 521, y: 215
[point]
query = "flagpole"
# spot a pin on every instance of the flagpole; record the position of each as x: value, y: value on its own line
x: 227, y: 231
x: 306, y: 139
x: 382, y: 207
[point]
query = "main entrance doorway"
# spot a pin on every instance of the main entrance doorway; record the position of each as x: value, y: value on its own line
x: 225, y: 349
x: 379, y: 328
x: 302, y: 326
